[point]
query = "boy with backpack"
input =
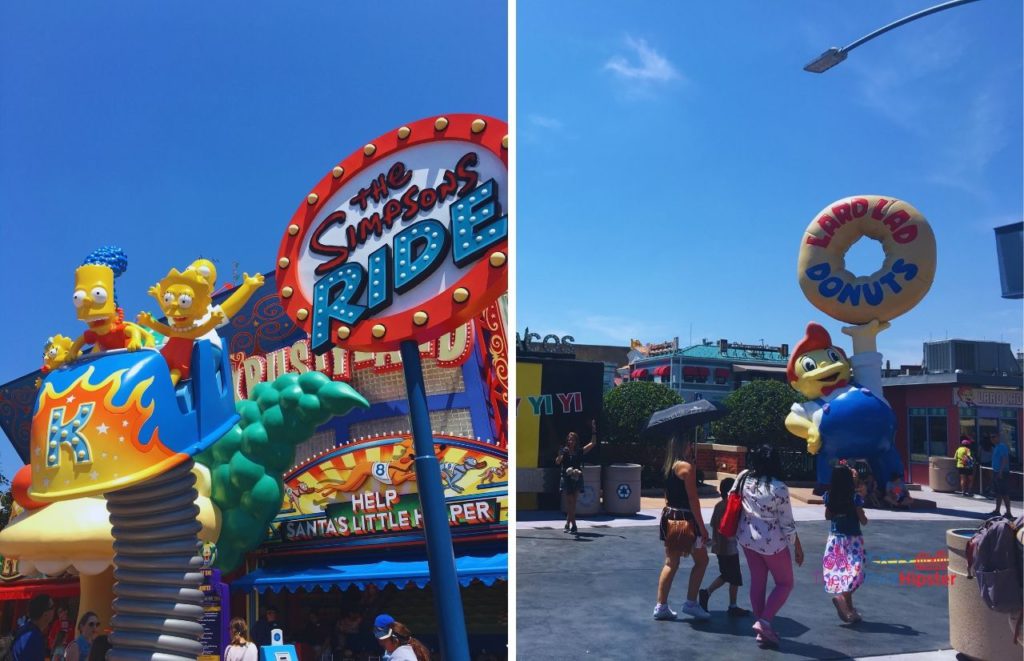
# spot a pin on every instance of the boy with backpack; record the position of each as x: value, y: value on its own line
x: 728, y: 557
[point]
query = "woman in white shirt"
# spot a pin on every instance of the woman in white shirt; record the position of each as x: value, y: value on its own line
x: 765, y: 531
x: 241, y: 648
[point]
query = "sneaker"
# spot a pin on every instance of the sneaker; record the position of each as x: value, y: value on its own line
x: 702, y: 598
x: 566, y: 529
x: 767, y: 633
x: 991, y: 514
x: 694, y: 610
x: 573, y: 530
x: 736, y: 611
x: 663, y: 612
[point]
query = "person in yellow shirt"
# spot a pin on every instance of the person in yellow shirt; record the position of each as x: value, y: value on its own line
x: 965, y: 466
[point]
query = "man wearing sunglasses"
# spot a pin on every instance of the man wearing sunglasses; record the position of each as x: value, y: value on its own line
x: 29, y: 641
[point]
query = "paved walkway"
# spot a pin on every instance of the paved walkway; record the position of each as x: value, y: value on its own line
x: 590, y: 595
x: 948, y: 507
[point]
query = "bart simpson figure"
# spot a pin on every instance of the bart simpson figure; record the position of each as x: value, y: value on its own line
x: 186, y: 299
x: 846, y: 417
x: 96, y: 305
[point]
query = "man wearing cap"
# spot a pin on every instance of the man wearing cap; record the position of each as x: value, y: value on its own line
x: 396, y: 647
x: 29, y: 641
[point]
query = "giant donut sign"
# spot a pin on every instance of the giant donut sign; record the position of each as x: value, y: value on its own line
x: 897, y: 286
x: 406, y: 239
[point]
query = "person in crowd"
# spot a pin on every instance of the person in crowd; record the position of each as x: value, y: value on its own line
x: 314, y: 636
x: 570, y: 458
x: 345, y: 635
x: 965, y: 465
x: 397, y: 640
x: 60, y: 633
x: 99, y: 648
x: 865, y: 483
x: 29, y: 640
x: 241, y: 648
x: 728, y: 555
x: 1000, y: 475
x: 682, y: 503
x: 896, y: 493
x: 766, y: 530
x: 88, y: 629
x: 261, y: 630
x: 843, y: 563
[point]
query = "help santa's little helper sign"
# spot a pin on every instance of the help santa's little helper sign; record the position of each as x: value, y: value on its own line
x: 405, y: 239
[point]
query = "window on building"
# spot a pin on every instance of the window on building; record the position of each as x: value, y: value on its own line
x: 927, y: 433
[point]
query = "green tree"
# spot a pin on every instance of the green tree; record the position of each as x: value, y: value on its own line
x: 757, y: 414
x: 628, y: 408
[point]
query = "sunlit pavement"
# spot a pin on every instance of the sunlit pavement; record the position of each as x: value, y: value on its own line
x: 591, y: 595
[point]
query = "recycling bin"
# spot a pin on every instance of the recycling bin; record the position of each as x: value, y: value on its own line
x: 621, y: 487
x: 942, y: 475
x: 974, y: 630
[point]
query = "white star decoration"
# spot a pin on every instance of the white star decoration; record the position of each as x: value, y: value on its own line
x: 70, y: 399
x: 94, y: 475
x: 102, y: 428
x: 124, y: 423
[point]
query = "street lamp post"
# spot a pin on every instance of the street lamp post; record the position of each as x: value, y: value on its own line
x: 834, y: 56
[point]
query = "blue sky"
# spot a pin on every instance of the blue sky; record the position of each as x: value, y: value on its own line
x: 672, y: 154
x: 182, y: 129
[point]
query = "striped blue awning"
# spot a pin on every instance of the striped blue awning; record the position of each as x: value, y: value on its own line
x: 484, y: 568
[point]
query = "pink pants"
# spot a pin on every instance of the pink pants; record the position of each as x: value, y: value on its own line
x: 780, y: 566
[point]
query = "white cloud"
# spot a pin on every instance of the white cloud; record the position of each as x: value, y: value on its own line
x: 545, y: 122
x: 646, y: 65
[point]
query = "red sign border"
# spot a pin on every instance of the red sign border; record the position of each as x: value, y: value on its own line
x: 485, y: 281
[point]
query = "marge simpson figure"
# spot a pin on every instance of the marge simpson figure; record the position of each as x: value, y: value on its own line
x: 846, y: 415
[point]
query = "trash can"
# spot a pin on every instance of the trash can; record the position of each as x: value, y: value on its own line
x: 588, y: 502
x: 974, y: 630
x: 942, y: 475
x: 621, y: 488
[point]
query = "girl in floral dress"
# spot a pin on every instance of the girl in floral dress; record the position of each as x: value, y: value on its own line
x: 843, y: 563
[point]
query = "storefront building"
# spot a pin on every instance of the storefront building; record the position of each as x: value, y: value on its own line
x: 709, y: 370
x: 972, y: 388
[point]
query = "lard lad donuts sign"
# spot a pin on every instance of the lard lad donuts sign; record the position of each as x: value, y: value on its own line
x: 405, y: 239
x: 904, y: 277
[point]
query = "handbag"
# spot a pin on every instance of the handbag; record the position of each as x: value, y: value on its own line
x: 733, y: 507
x: 679, y: 536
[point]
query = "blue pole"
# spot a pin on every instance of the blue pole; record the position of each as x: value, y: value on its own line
x: 440, y: 557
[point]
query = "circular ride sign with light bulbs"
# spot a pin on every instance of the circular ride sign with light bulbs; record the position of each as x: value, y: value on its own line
x: 406, y: 239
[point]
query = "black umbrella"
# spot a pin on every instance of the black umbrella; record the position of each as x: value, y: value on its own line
x: 685, y: 416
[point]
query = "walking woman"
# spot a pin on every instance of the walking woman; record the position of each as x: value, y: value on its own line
x: 88, y: 628
x: 682, y: 504
x: 570, y: 458
x: 765, y: 531
x: 241, y: 648
x: 842, y: 565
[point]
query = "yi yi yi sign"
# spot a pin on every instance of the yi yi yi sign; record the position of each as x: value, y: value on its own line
x: 405, y: 239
